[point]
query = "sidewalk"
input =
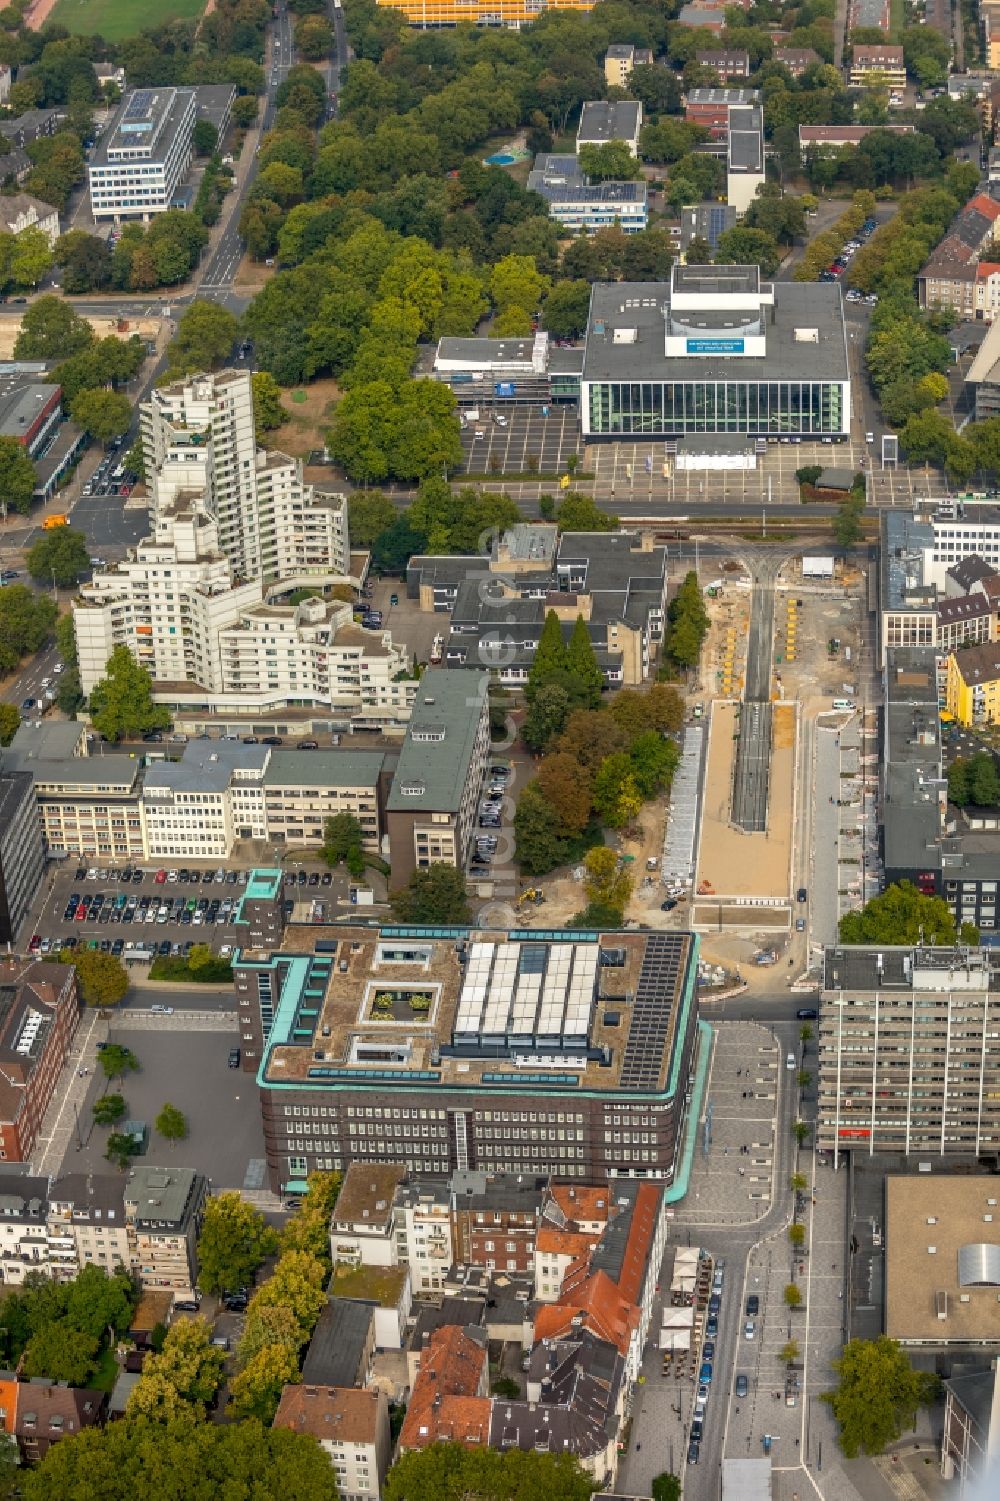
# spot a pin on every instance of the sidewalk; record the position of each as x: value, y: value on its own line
x: 61, y: 1121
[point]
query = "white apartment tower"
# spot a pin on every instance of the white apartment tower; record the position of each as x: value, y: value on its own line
x: 198, y: 441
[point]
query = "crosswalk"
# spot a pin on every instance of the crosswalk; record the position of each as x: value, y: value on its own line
x: 179, y: 1021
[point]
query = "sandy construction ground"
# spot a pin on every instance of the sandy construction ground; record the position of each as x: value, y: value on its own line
x: 735, y: 863
x: 146, y: 328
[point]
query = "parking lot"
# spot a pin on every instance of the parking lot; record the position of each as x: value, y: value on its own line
x: 131, y: 912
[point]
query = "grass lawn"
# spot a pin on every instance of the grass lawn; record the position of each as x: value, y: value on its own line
x: 115, y: 19
x: 106, y: 1374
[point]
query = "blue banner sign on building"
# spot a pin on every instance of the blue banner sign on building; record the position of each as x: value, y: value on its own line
x: 715, y: 346
x: 505, y: 388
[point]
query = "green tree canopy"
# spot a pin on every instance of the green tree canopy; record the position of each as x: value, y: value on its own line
x: 878, y: 1395
x: 10, y: 723
x: 435, y: 894
x: 171, y: 1123
x: 451, y: 1472
x: 51, y: 330
x: 103, y: 414
x: 342, y: 842
x: 582, y: 665
x: 182, y: 1378
x: 17, y: 476
x: 116, y: 1061
x: 974, y: 779
x: 369, y: 513
x: 140, y: 1457
x: 235, y: 1241
x: 206, y: 333
x: 102, y: 978
x: 121, y: 704
x: 902, y: 914
x: 62, y: 554
x: 109, y: 1108
x: 61, y: 1354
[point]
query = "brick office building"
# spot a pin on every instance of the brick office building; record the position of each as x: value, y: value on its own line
x: 39, y: 1012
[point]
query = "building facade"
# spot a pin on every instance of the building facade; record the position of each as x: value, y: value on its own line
x: 578, y: 204
x: 352, y: 1429
x: 972, y: 691
x: 22, y: 851
x: 39, y: 1015
x: 601, y: 122
x: 163, y: 1213
x: 714, y: 350
x: 877, y: 65
x: 143, y: 156
x: 909, y: 1057
x: 490, y: 1052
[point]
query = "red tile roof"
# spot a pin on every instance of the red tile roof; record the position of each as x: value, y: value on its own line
x: 446, y: 1404
x: 597, y: 1305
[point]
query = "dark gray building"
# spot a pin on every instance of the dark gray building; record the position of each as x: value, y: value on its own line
x: 22, y: 855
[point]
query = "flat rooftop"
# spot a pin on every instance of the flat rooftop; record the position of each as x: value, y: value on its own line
x: 474, y: 1009
x: 638, y: 309
x: 600, y: 122
x: 440, y: 739
x: 942, y: 1259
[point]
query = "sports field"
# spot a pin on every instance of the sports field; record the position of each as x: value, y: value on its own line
x: 116, y: 19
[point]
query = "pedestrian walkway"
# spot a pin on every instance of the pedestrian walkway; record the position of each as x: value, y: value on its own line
x: 61, y: 1120
x: 735, y: 1150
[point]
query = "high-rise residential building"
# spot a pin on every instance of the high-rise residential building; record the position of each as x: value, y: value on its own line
x: 909, y: 1052
x: 163, y: 1212
x: 211, y: 642
x: 198, y: 441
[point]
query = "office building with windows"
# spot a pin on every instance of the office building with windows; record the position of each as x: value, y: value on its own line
x: 909, y: 1052
x: 22, y: 852
x: 142, y: 158
x: 576, y: 203
x: 565, y: 1052
x: 715, y: 350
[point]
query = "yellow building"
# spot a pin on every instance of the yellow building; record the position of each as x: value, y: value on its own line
x: 480, y: 12
x: 972, y: 689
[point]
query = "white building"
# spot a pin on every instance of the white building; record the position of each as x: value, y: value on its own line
x: 87, y: 1218
x: 424, y: 1233
x: 142, y: 158
x: 21, y: 212
x: 198, y: 441
x: 352, y: 1429
x: 601, y: 122
x: 203, y: 803
x: 744, y: 156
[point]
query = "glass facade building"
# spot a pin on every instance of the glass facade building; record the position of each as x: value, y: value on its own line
x: 673, y: 408
x: 715, y: 350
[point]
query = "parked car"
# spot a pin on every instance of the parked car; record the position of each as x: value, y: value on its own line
x: 234, y: 1057
x: 742, y: 1386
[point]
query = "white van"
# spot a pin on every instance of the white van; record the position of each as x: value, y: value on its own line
x: 790, y: 1061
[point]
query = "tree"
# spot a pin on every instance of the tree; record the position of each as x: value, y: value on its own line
x: 800, y: 1130
x: 566, y: 787
x: 205, y: 138
x: 183, y: 1377
x: 610, y: 161
x: 121, y: 704
x: 617, y: 799
x: 606, y: 882
x: 797, y: 1234
x: 803, y: 1078
x: 256, y: 1391
x: 206, y: 333
x: 578, y: 513
x: 97, y: 1302
x: 313, y: 38
x: 847, y: 520
x: 665, y: 1487
x: 268, y: 413
x: 10, y: 722
x: 343, y: 838
x: 549, y: 662
x: 116, y: 1061
x: 542, y: 841
x: 120, y: 1149
x: 654, y: 761
x: 445, y: 1472
x: 102, y: 414
x: 567, y: 308
x: 17, y: 476
x: 31, y: 257
x: 61, y: 1353
x: 547, y: 715
x: 878, y: 1394
x: 790, y: 1352
x: 435, y: 894
x: 368, y: 514
x: 51, y: 330
x: 974, y: 779
x: 298, y: 1284
x: 109, y: 1109
x: 805, y: 1034
x: 901, y: 915
x: 792, y: 1295
x: 581, y: 664
x: 235, y: 1241
x: 131, y: 1457
x: 309, y: 1227
x: 171, y: 1123
x: 748, y: 247
x: 61, y: 554
x: 103, y: 980
x: 798, y: 1182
